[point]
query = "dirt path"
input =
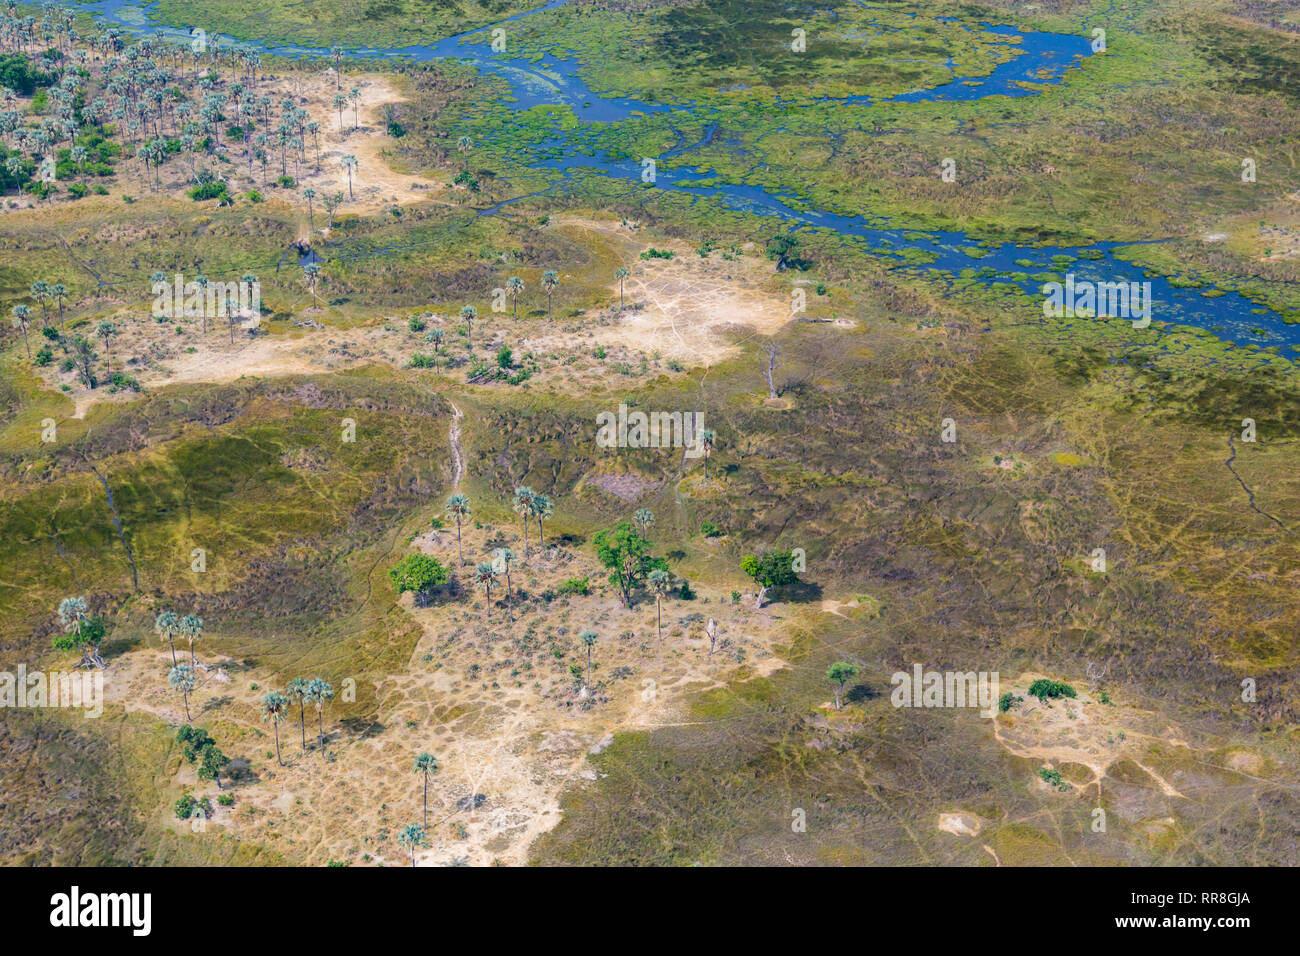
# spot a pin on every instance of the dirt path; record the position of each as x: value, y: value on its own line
x: 457, y: 456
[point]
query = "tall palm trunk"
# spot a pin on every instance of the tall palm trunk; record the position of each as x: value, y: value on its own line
x: 278, y: 759
x: 302, y: 722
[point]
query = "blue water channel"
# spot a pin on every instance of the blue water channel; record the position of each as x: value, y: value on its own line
x: 1041, y: 58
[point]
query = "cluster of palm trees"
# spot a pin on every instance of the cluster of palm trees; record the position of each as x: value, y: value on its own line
x: 415, y: 836
x: 532, y: 504
x: 515, y: 288
x: 182, y: 677
x: 144, y: 96
x: 171, y: 625
x: 277, y: 708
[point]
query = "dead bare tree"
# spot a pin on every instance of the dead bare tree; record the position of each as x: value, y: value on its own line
x: 771, y: 367
x: 1095, y: 672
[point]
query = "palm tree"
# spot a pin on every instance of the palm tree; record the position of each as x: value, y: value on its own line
x: 458, y: 510
x: 659, y: 581
x: 543, y: 508
x: 168, y: 624
x: 349, y: 163
x: 469, y: 314
x: 192, y: 628
x: 588, y: 638
x: 40, y: 292
x: 297, y: 689
x: 463, y: 145
x: 645, y: 519
x: 411, y: 836
x: 318, y: 692
x: 106, y: 331
x: 514, y: 285
x: 427, y: 766
x: 620, y: 274
x: 355, y: 96
x: 309, y: 194
x: 437, y: 337
x: 503, y: 557
x: 549, y: 281
x: 181, y: 677
x: 21, y: 315
x: 59, y: 291
x: 709, y: 438
x: 485, y: 574
x: 275, y: 707
x: 523, y: 506
x: 311, y: 271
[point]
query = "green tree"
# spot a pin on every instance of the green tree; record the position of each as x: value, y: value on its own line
x: 840, y: 673
x: 543, y: 508
x: 181, y: 678
x: 168, y: 624
x: 81, y: 632
x: 772, y: 569
x: 211, y: 763
x: 469, y: 313
x: 426, y: 765
x: 458, y: 510
x: 523, y: 506
x: 660, y: 582
x: 297, y: 690
x: 589, y: 639
x: 485, y: 575
x: 419, y: 573
x: 191, y: 626
x: 549, y: 281
x: 514, y: 285
x: 319, y: 692
x: 412, y: 836
x: 275, y: 707
x: 21, y: 314
x: 626, y: 553
x: 620, y: 274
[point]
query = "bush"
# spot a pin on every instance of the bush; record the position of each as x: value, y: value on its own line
x: 226, y: 800
x: 416, y: 324
x: 421, y: 360
x: 575, y: 586
x: 186, y: 806
x: 1008, y: 700
x: 211, y: 190
x: 418, y: 573
x: 1046, y: 689
x: 710, y: 530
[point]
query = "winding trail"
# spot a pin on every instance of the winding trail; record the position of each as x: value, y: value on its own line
x: 1249, y: 493
x: 457, y: 455
x: 117, y: 520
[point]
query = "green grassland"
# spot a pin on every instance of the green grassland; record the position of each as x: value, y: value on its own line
x: 1124, y: 437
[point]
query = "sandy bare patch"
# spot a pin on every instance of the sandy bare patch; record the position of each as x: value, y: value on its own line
x: 688, y: 308
x: 363, y: 134
x: 960, y: 824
